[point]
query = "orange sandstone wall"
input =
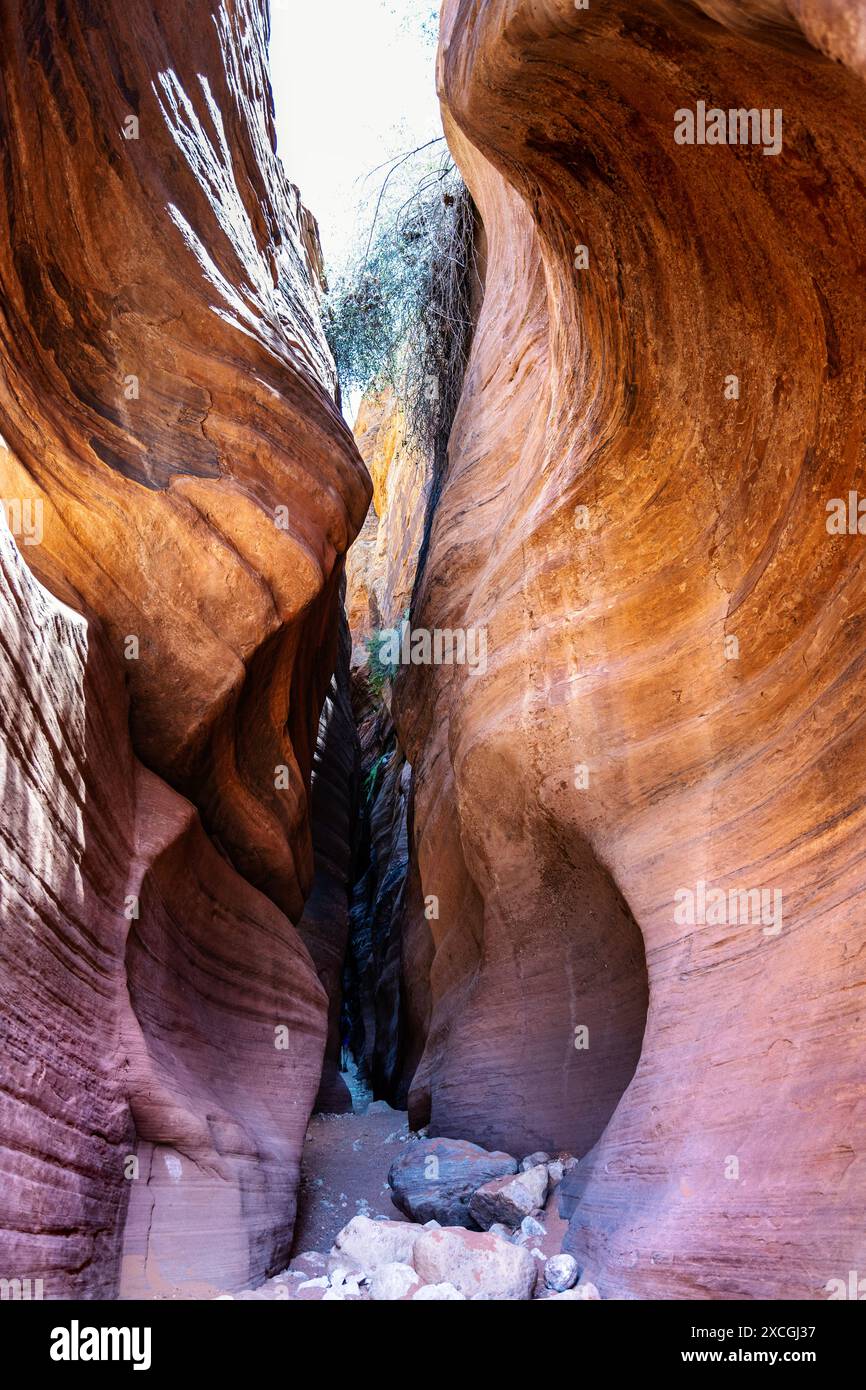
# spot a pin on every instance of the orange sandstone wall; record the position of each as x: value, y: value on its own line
x: 615, y: 512
x: 166, y: 396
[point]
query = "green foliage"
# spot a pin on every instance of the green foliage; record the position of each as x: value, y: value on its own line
x: 420, y: 17
x: 400, y: 315
x: 372, y: 775
x: 379, y: 670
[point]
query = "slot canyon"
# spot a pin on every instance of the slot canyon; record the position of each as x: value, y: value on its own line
x: 528, y: 962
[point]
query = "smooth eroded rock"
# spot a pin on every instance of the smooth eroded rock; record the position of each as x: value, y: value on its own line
x: 133, y: 961
x: 641, y: 474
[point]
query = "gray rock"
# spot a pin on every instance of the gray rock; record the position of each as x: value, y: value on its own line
x: 560, y: 1272
x: 435, y: 1178
x: 533, y: 1160
x: 531, y: 1228
x: 559, y: 1166
x: 497, y: 1229
x: 509, y: 1199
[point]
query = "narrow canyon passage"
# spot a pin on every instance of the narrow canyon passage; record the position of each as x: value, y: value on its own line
x: 431, y: 857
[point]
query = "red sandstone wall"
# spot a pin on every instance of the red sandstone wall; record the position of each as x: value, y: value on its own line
x: 167, y: 398
x: 605, y: 389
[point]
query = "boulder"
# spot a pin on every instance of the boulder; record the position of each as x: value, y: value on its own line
x: 435, y: 1179
x: 532, y: 1160
x: 393, y: 1281
x: 560, y: 1272
x: 476, y: 1263
x: 509, y: 1199
x: 372, y: 1244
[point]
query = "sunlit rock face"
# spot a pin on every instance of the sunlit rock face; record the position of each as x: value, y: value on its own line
x: 162, y: 1025
x: 381, y: 566
x: 385, y: 1027
x: 166, y: 390
x: 166, y: 395
x: 646, y: 542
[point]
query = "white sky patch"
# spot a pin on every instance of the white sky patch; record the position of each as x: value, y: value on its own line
x: 354, y: 85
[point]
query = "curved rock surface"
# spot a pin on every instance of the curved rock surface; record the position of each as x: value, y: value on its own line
x: 166, y: 394
x: 143, y: 984
x: 673, y: 685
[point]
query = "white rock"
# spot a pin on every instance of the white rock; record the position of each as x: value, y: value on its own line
x: 560, y: 1272
x: 475, y: 1262
x: 374, y: 1243
x: 321, y: 1283
x: 440, y: 1293
x: 346, y: 1281
x: 393, y: 1281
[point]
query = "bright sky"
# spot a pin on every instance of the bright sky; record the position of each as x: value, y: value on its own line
x: 354, y: 85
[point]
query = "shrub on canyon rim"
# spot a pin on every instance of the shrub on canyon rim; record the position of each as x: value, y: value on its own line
x: 400, y: 315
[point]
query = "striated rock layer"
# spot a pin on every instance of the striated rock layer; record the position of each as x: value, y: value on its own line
x: 616, y: 511
x: 381, y: 566
x: 166, y: 395
x: 163, y: 393
x: 143, y: 981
